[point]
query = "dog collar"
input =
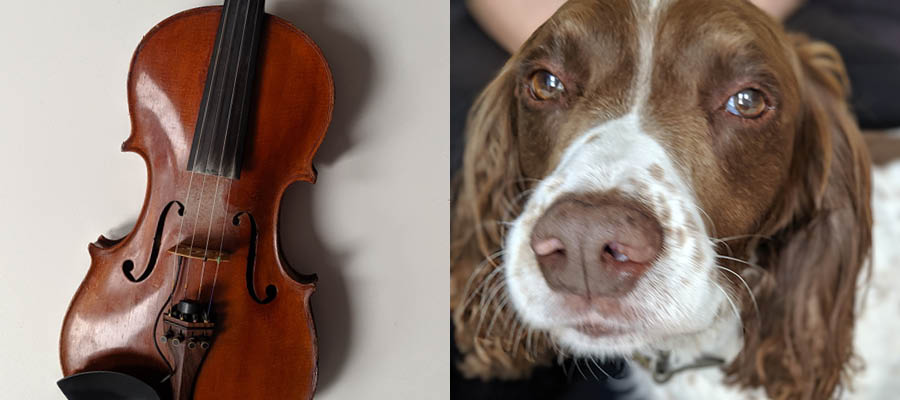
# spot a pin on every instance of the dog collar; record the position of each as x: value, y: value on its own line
x: 662, y: 370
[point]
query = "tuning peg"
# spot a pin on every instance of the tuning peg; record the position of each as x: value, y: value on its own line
x: 168, y: 336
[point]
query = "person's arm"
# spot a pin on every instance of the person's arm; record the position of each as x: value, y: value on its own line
x: 511, y: 22
x: 780, y: 9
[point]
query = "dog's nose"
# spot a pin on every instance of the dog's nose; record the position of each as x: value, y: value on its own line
x: 595, y: 245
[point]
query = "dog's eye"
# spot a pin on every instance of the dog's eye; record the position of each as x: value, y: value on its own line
x: 546, y: 86
x: 748, y: 103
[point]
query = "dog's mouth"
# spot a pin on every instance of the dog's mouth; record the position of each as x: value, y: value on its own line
x: 595, y: 330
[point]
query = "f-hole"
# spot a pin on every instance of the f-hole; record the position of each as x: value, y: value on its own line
x: 271, y: 291
x: 128, y: 265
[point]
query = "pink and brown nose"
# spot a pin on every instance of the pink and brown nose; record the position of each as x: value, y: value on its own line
x: 595, y: 245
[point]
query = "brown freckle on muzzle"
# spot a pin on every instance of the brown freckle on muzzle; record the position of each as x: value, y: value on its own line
x: 697, y: 258
x: 680, y: 237
x: 664, y: 213
x: 656, y: 171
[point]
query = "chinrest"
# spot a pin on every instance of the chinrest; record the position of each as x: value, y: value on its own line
x: 105, y: 385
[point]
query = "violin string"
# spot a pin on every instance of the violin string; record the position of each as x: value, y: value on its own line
x: 212, y: 289
x: 194, y: 233
x: 175, y: 265
x: 178, y: 262
x: 202, y: 123
x: 227, y: 13
x: 212, y: 211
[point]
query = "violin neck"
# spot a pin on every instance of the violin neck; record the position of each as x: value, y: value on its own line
x: 224, y: 115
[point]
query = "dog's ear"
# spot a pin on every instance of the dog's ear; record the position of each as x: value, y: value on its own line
x: 487, y: 333
x: 800, y: 344
x: 487, y: 184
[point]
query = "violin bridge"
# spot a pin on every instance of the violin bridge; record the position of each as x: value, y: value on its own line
x: 200, y: 253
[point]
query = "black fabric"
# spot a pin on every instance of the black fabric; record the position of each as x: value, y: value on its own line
x: 558, y: 382
x: 868, y: 39
x: 877, y: 20
x: 474, y: 61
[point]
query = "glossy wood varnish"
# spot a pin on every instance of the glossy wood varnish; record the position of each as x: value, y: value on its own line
x: 260, y: 351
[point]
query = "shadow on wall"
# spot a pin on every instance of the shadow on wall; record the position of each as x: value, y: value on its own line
x: 351, y: 66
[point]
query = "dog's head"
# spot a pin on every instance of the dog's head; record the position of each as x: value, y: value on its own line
x: 662, y: 173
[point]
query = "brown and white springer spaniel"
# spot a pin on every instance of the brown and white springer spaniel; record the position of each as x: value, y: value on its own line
x: 679, y: 182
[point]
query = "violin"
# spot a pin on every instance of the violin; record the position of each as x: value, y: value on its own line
x: 228, y: 106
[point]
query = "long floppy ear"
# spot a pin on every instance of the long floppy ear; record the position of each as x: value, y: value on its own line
x: 488, y: 187
x: 800, y: 345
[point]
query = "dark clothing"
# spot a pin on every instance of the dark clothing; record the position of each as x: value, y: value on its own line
x: 558, y: 382
x: 474, y: 60
x: 867, y: 34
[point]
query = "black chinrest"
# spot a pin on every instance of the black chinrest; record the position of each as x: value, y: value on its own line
x: 105, y: 385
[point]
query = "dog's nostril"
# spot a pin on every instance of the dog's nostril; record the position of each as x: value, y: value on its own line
x: 617, y: 251
x: 546, y: 247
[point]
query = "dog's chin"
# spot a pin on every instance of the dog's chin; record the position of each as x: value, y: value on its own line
x: 606, y: 342
x: 596, y: 341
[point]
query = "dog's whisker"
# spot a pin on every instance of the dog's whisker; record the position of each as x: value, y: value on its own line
x: 734, y: 308
x: 735, y: 259
x: 712, y: 225
x: 523, y: 195
x: 528, y: 341
x: 579, y: 369
x: 485, y: 301
x: 722, y: 242
x: 510, y: 317
x: 746, y: 286
x: 600, y: 368
x: 736, y: 237
x: 517, y: 338
x: 497, y: 313
x: 486, y: 281
x: 489, y: 260
x: 508, y: 339
x: 492, y: 291
x: 567, y: 371
x: 591, y: 370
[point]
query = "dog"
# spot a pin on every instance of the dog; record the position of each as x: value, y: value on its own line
x: 681, y: 183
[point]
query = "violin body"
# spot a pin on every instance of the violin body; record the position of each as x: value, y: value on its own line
x: 264, y: 346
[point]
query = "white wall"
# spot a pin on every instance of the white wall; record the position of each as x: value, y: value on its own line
x: 375, y: 227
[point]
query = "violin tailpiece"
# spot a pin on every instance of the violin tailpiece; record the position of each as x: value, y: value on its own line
x: 188, y: 337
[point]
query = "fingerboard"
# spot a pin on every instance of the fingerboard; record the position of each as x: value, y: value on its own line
x: 224, y: 115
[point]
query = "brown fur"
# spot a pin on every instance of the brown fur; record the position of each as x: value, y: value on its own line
x: 795, y: 186
x: 820, y: 235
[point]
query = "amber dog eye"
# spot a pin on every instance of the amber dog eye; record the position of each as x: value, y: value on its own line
x: 748, y: 103
x: 546, y: 86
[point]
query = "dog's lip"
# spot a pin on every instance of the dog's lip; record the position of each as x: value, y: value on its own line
x: 594, y: 329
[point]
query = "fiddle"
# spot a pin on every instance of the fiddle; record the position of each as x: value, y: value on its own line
x: 228, y: 106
